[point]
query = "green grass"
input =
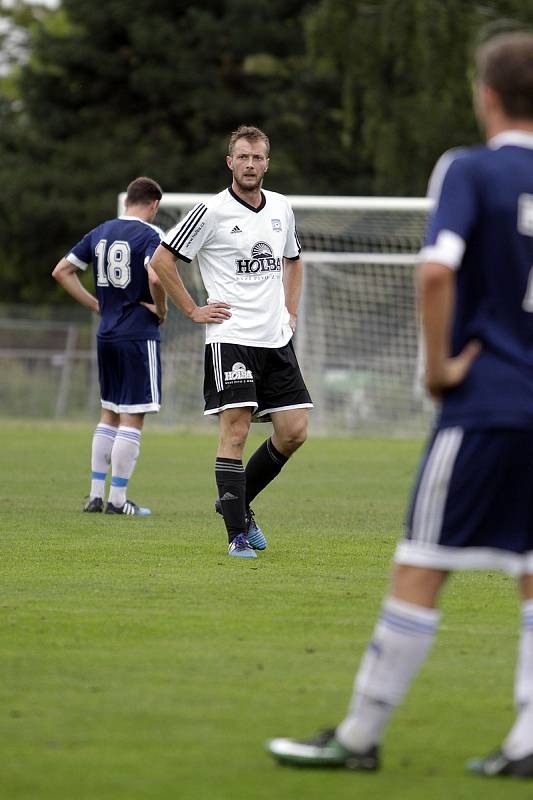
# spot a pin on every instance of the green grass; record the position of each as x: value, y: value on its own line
x: 138, y: 661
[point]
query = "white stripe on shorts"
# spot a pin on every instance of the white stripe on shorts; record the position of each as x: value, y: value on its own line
x: 217, y: 366
x: 152, y: 363
x: 432, y: 493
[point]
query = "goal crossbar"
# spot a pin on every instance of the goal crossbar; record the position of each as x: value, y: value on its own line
x: 306, y: 202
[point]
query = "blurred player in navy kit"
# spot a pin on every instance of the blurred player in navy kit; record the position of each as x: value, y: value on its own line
x: 131, y: 304
x: 248, y: 253
x: 472, y: 505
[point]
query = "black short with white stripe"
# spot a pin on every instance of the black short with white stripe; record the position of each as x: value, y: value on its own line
x: 265, y: 379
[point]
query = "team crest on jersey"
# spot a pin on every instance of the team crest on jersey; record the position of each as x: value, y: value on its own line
x: 262, y: 261
x: 276, y: 224
x: 238, y: 374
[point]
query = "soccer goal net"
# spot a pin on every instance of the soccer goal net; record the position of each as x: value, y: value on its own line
x: 357, y: 339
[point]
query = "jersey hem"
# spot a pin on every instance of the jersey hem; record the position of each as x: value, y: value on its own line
x: 124, y: 337
x: 481, y: 421
x: 248, y: 342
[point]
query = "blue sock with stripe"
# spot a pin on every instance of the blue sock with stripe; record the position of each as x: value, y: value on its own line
x: 102, y: 444
x: 400, y: 644
x: 123, y: 459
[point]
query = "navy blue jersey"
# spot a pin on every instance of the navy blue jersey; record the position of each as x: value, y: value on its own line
x: 482, y: 226
x: 119, y: 251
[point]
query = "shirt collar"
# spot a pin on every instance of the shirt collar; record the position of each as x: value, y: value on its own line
x: 255, y: 209
x: 130, y: 216
x: 516, y: 138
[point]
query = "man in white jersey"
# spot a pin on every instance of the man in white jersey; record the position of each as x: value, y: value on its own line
x: 248, y: 252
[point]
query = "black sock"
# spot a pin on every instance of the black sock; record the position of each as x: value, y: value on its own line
x: 231, y: 482
x: 262, y: 467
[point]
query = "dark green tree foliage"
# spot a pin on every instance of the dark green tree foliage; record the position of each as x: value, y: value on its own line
x: 396, y: 73
x: 357, y: 96
x: 118, y: 89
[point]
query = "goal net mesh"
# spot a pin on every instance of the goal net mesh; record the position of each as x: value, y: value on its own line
x: 357, y: 339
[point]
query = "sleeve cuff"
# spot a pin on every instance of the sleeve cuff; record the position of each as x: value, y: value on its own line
x: 448, y: 250
x: 175, y: 253
x: 76, y: 261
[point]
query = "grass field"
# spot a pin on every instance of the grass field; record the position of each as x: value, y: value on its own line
x: 138, y: 661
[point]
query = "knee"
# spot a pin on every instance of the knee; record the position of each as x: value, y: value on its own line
x: 294, y: 438
x: 235, y: 435
x: 417, y: 585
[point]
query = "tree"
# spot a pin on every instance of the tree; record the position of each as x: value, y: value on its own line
x: 115, y: 90
x: 357, y: 96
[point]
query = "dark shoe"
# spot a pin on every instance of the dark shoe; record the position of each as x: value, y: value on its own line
x: 240, y: 547
x: 254, y: 534
x: 322, y: 751
x: 129, y: 508
x: 497, y: 763
x: 94, y: 506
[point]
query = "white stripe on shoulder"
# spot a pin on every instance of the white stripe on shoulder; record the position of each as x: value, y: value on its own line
x: 440, y: 169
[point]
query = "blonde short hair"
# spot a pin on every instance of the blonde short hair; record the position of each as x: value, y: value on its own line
x: 251, y: 133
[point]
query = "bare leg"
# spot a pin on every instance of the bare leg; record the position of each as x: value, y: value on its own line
x: 290, y: 430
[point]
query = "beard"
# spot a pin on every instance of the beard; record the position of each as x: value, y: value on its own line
x: 249, y: 186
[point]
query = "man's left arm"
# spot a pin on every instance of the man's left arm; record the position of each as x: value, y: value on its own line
x: 159, y: 295
x: 453, y: 187
x: 292, y: 284
x: 436, y: 292
x: 65, y: 273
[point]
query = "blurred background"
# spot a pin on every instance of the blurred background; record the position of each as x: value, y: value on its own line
x: 359, y: 98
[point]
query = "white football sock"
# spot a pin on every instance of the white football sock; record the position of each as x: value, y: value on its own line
x: 519, y: 742
x: 103, y: 439
x: 123, y: 459
x: 401, y: 641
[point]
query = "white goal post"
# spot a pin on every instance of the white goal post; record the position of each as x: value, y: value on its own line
x: 357, y: 339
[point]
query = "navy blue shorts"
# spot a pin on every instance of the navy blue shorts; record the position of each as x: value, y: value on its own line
x: 130, y: 376
x: 267, y: 379
x: 472, y: 504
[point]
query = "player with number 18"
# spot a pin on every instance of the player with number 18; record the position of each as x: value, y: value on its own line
x: 131, y: 304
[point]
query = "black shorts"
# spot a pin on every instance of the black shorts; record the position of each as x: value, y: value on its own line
x: 267, y: 379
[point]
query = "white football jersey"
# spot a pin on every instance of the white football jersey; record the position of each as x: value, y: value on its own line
x: 240, y: 252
